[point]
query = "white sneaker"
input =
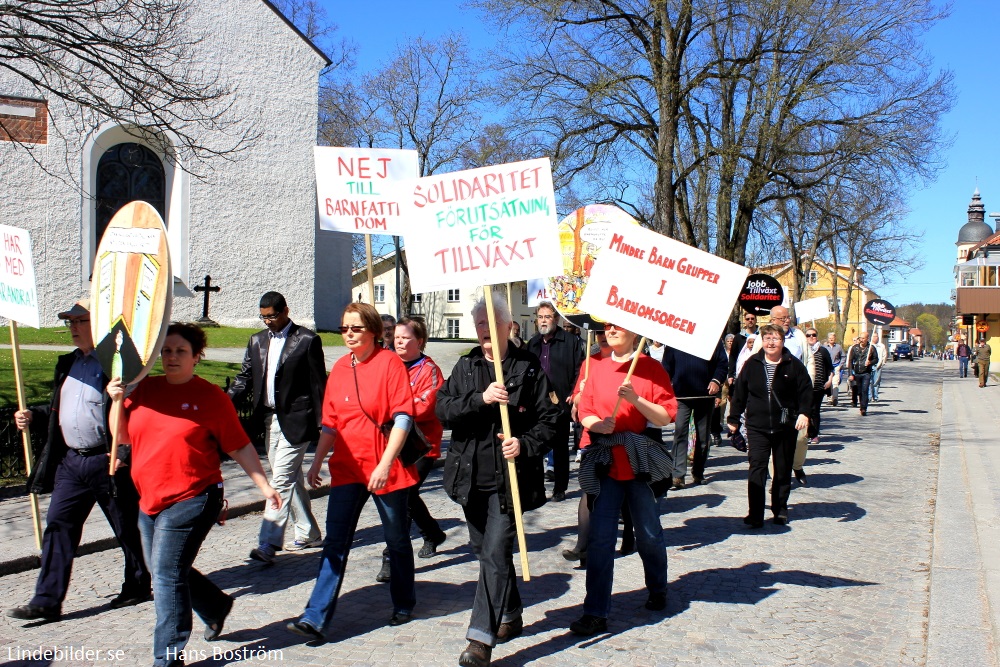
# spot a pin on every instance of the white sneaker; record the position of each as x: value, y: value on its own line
x: 579, y: 456
x: 299, y: 545
x: 264, y: 553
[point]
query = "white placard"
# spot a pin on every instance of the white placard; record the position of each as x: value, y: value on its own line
x: 482, y: 226
x: 812, y: 309
x: 18, y: 296
x: 356, y: 189
x: 663, y: 289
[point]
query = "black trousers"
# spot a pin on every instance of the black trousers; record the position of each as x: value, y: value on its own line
x: 763, y: 446
x: 81, y: 481
x: 814, y: 417
x: 702, y: 409
x: 418, y: 512
x: 560, y: 453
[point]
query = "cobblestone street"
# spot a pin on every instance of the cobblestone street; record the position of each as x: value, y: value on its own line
x: 847, y: 582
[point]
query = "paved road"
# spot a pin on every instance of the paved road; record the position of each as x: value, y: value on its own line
x: 882, y: 564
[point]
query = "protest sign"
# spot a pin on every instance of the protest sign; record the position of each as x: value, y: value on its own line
x: 582, y: 234
x: 131, y: 292
x: 663, y: 289
x: 879, y: 312
x: 18, y: 297
x: 355, y: 188
x: 812, y: 309
x: 483, y: 226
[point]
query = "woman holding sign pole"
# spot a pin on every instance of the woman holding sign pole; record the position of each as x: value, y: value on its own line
x: 475, y: 473
x: 626, y: 460
x: 178, y: 425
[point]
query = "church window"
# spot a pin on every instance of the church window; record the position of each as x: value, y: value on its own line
x: 453, y: 327
x: 380, y: 294
x: 127, y: 172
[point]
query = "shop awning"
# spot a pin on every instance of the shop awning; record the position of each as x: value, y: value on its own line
x: 977, y: 300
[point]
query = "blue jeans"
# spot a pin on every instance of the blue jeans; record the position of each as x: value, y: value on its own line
x: 876, y: 380
x: 604, y: 532
x: 342, y: 514
x: 170, y: 543
x: 963, y: 367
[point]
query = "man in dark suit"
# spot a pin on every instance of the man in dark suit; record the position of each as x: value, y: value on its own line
x: 73, y: 467
x: 561, y: 354
x: 285, y: 370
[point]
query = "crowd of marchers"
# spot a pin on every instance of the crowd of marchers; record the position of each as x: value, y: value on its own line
x: 377, y: 420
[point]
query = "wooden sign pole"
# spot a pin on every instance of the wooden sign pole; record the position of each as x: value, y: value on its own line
x: 515, y: 491
x: 29, y: 463
x: 631, y: 369
x: 117, y: 408
x: 371, y: 269
x: 590, y: 344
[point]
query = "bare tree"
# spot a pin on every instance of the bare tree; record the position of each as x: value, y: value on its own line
x: 128, y: 61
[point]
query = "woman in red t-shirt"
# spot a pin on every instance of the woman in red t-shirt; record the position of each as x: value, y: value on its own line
x: 176, y: 425
x: 366, y: 390
x: 623, y: 461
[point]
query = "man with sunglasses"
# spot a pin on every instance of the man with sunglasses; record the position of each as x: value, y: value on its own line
x: 822, y: 383
x: 73, y: 467
x: 284, y: 375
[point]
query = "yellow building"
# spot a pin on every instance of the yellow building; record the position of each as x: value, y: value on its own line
x: 821, y: 279
x: 977, y: 279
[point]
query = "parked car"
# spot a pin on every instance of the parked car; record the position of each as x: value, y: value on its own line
x: 902, y: 350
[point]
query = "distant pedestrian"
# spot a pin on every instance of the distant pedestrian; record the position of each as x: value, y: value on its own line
x: 861, y: 359
x: 983, y: 354
x: 836, y: 353
x: 774, y: 389
x: 388, y: 332
x: 821, y: 384
x: 964, y: 353
x: 883, y: 354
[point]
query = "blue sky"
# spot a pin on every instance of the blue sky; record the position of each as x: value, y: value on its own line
x: 965, y: 43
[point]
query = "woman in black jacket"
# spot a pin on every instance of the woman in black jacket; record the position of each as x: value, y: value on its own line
x: 475, y: 472
x: 775, y: 392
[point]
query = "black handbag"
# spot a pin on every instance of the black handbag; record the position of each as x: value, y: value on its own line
x: 414, y: 447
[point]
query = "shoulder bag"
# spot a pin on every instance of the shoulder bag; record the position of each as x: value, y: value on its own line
x: 414, y: 447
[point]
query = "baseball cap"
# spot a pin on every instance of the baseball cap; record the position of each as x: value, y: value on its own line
x: 81, y: 307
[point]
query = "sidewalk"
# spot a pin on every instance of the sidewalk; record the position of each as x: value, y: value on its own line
x: 964, y: 621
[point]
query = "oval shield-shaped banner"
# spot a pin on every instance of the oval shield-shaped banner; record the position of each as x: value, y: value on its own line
x: 131, y: 292
x: 880, y: 312
x: 582, y: 234
x: 761, y: 292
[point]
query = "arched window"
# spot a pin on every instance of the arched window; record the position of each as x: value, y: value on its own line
x: 125, y: 173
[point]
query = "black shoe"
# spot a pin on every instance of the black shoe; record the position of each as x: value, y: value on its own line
x: 303, y: 629
x: 550, y: 476
x: 558, y: 496
x: 781, y: 519
x: 476, y: 654
x: 574, y: 555
x: 698, y: 481
x: 753, y: 524
x: 430, y: 547
x: 678, y: 483
x: 384, y: 574
x: 400, y: 618
x: 628, y: 546
x: 588, y: 625
x: 800, y: 477
x: 864, y: 413
x: 656, y: 602
x: 129, y: 599
x: 213, y: 630
x: 510, y: 630
x: 34, y: 612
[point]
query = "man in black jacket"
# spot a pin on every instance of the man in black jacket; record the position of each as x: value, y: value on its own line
x: 286, y: 372
x: 696, y: 383
x: 475, y: 472
x: 560, y: 353
x: 73, y: 467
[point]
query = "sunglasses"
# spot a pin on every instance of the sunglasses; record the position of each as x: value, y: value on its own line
x: 615, y: 327
x: 354, y: 328
x: 809, y: 335
x: 70, y: 323
x: 270, y: 318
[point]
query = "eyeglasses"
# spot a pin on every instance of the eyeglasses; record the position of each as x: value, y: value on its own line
x: 811, y: 335
x: 772, y: 339
x: 545, y: 317
x: 616, y: 327
x: 70, y: 323
x: 749, y: 318
x: 354, y: 328
x: 270, y: 318
x: 783, y: 318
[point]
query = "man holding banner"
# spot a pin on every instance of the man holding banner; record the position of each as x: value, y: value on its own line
x: 475, y: 473
x: 73, y: 467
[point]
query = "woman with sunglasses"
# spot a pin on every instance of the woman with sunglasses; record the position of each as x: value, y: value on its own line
x: 774, y: 391
x: 367, y: 393
x: 618, y: 439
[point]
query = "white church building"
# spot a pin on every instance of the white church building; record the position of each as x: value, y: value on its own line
x: 249, y: 222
